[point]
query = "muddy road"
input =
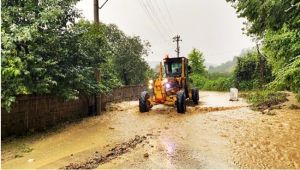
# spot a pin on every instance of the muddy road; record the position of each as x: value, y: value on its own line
x: 215, y: 134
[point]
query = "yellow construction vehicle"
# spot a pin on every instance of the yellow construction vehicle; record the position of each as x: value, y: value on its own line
x: 172, y: 86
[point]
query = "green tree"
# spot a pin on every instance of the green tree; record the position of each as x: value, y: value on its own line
x: 196, y: 61
x: 45, y: 52
x: 34, y: 35
x: 268, y: 14
x: 281, y: 47
x: 96, y: 54
x: 128, y: 56
x: 247, y: 73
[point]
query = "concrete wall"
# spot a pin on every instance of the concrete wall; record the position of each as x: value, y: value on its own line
x: 37, y: 113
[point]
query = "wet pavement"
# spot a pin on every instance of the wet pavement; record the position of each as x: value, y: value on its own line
x: 215, y: 134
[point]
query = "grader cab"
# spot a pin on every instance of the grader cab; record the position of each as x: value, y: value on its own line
x: 172, y: 86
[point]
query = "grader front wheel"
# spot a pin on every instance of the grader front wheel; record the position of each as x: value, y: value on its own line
x: 181, y: 104
x: 144, y: 103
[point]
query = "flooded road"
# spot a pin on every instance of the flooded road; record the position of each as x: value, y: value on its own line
x: 215, y: 134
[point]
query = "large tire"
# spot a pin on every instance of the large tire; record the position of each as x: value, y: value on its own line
x: 144, y: 104
x: 195, y: 96
x: 181, y: 103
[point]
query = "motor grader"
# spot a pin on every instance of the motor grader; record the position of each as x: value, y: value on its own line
x: 172, y: 87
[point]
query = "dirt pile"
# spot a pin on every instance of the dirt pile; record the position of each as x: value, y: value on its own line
x: 97, y: 159
x: 214, y: 109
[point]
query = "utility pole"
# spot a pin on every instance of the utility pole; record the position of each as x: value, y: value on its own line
x: 177, y: 39
x: 95, y: 101
x: 96, y: 11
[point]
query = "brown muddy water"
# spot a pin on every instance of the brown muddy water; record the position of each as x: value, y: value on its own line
x: 215, y: 134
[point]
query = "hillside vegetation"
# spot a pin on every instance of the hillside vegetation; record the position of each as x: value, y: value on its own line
x: 274, y: 64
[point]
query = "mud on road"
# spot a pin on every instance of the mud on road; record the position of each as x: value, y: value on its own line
x: 215, y: 134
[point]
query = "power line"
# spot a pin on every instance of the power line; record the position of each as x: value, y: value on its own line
x: 142, y: 4
x: 156, y: 16
x: 152, y: 19
x: 168, y: 12
x: 161, y: 20
x: 169, y: 16
x: 103, y: 4
x: 165, y: 20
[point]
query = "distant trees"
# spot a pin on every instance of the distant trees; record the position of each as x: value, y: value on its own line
x: 204, y: 80
x: 226, y: 67
x: 246, y: 75
x: 44, y: 51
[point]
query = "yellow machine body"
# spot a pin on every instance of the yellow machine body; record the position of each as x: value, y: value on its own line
x: 160, y: 93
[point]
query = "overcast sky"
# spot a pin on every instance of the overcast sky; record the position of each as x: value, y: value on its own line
x: 211, y: 26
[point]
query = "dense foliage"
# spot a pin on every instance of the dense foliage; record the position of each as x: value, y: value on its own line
x: 131, y: 68
x: 276, y: 24
x: 202, y: 79
x: 218, y: 82
x: 251, y: 72
x: 44, y: 51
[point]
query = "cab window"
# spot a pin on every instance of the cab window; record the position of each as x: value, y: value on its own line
x: 173, y: 68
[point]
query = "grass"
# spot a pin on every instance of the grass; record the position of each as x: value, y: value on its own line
x: 262, y: 100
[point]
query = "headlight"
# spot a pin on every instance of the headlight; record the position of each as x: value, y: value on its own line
x: 168, y: 85
x: 165, y: 80
x: 150, y: 81
x: 150, y: 86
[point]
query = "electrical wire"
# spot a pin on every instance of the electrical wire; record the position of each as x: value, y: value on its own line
x: 165, y: 16
x: 158, y: 18
x: 152, y: 19
x: 169, y: 13
x: 161, y: 17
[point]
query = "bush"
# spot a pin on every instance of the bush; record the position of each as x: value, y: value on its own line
x: 220, y: 84
x: 249, y: 69
x: 264, y: 99
x: 198, y: 81
x: 298, y: 97
x: 214, y: 81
